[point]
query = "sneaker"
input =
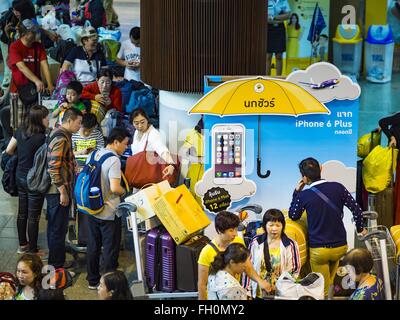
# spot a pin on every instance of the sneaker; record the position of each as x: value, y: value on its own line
x: 23, y: 249
x: 90, y: 287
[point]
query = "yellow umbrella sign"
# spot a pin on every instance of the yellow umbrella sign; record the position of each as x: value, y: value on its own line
x: 259, y: 96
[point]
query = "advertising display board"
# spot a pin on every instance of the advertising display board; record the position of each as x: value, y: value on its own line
x: 258, y: 129
x: 299, y: 51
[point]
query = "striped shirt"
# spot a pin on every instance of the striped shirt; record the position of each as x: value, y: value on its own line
x: 61, y: 162
x: 95, y: 140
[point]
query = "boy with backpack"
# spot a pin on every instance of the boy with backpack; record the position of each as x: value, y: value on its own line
x: 97, y: 192
x: 73, y: 100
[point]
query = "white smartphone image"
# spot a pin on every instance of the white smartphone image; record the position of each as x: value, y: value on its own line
x: 228, y: 153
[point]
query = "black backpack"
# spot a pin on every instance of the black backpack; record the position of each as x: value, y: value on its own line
x: 9, y: 179
x: 38, y: 179
x: 61, y: 50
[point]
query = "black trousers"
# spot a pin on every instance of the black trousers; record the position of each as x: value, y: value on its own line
x: 29, y: 209
x: 106, y: 234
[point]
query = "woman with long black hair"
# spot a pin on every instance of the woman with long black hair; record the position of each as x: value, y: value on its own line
x: 28, y: 139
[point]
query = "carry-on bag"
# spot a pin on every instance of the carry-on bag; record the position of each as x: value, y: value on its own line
x: 152, y: 265
x: 187, y: 255
x: 384, y: 201
x: 168, y: 264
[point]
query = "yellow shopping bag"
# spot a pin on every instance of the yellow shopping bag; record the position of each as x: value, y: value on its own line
x: 378, y: 168
x: 145, y: 198
x: 180, y: 214
x: 367, y: 143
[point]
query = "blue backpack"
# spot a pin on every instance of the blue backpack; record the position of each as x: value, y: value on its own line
x: 87, y: 191
x: 144, y: 99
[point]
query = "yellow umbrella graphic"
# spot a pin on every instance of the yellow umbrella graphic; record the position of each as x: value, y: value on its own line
x: 259, y: 96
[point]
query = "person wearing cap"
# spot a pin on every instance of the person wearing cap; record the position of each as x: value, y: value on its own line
x: 27, y: 60
x: 86, y: 60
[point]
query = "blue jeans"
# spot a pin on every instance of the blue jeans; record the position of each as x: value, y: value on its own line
x: 106, y: 234
x: 57, y: 227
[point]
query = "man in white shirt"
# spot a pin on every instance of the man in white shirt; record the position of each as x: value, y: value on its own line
x: 129, y: 55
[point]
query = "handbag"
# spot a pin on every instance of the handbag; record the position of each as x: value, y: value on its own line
x: 312, y: 285
x: 146, y: 167
x: 27, y: 92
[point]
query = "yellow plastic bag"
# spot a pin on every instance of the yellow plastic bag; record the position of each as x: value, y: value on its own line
x: 378, y: 168
x: 364, y: 143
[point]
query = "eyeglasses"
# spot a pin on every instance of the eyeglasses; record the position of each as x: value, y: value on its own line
x: 90, y: 65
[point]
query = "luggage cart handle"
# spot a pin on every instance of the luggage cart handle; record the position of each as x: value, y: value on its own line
x: 256, y: 208
x: 380, y: 234
x: 370, y: 215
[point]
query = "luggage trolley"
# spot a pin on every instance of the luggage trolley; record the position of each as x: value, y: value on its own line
x: 380, y: 244
x: 138, y: 287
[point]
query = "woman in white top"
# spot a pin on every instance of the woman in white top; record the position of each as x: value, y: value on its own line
x: 224, y: 271
x: 146, y: 133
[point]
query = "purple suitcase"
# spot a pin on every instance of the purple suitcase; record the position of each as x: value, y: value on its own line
x: 152, y: 258
x: 168, y: 264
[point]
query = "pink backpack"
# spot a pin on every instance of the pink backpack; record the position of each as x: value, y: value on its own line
x: 61, y: 85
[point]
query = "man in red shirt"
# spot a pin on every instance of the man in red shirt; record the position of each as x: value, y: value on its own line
x: 26, y: 59
x: 103, y: 91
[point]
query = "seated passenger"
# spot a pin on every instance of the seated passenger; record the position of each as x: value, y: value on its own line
x: 29, y: 277
x: 227, y: 266
x: 359, y: 264
x: 85, y: 60
x: 114, y: 286
x: 104, y: 91
x: 73, y: 100
x: 273, y: 252
x: 226, y: 225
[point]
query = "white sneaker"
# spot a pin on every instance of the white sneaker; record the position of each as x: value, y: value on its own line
x: 93, y: 287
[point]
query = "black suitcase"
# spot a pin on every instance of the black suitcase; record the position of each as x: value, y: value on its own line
x: 187, y: 255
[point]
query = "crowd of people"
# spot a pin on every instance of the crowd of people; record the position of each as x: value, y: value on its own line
x: 226, y: 268
x: 76, y: 138
x: 230, y: 271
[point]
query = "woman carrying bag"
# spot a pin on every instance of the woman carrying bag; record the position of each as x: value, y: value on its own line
x: 151, y: 161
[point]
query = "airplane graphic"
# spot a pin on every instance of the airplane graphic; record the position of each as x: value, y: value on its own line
x: 331, y: 83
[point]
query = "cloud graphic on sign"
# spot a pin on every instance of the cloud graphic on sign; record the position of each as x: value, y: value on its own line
x: 334, y: 170
x: 237, y: 191
x: 323, y: 71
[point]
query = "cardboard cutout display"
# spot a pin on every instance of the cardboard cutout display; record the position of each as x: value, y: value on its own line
x: 279, y: 123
